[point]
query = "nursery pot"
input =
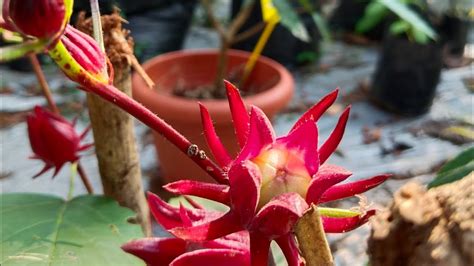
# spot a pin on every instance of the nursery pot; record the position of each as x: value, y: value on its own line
x: 194, y: 68
x: 454, y: 32
x: 406, y: 76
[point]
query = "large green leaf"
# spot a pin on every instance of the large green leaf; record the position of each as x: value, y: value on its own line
x: 374, y: 13
x: 403, y: 11
x: 290, y: 19
x: 455, y: 169
x: 46, y: 230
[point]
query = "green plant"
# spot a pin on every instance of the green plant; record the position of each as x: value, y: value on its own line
x: 408, y: 21
x: 274, y: 12
x: 457, y: 168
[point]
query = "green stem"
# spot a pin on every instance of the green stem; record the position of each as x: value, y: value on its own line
x: 71, y: 181
x: 12, y: 52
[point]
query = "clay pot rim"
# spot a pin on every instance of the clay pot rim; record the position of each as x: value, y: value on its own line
x: 165, y: 103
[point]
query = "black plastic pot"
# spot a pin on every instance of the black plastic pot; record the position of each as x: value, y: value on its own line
x: 282, y: 46
x: 348, y: 13
x: 406, y: 76
x: 453, y: 33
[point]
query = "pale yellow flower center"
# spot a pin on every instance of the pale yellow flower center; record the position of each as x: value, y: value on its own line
x: 282, y: 171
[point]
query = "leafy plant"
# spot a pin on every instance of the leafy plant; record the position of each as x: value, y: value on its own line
x: 47, y: 230
x: 408, y: 21
x: 274, y: 12
x: 457, y: 168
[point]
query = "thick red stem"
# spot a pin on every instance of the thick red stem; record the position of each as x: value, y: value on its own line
x: 147, y: 117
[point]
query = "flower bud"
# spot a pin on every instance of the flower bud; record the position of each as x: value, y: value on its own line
x: 53, y: 139
x: 39, y: 18
x: 80, y: 57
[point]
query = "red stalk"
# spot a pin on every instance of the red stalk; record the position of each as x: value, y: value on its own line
x: 111, y: 94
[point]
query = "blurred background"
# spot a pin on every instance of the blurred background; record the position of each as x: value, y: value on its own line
x: 407, y: 74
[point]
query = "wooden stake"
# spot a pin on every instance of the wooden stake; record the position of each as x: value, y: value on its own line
x: 312, y: 240
x: 114, y: 136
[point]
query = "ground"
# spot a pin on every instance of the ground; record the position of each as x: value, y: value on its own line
x: 375, y: 142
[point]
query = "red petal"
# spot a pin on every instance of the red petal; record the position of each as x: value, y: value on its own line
x: 208, y: 231
x: 290, y: 249
x: 305, y: 140
x: 165, y: 214
x: 341, y: 225
x: 350, y: 189
x: 317, y: 110
x: 240, y: 115
x: 218, y: 257
x: 235, y: 241
x: 261, y: 134
x: 213, y: 142
x: 216, y: 192
x: 335, y: 138
x: 44, y: 170
x: 259, y: 249
x: 327, y: 176
x: 86, y: 130
x: 278, y: 217
x: 193, y: 203
x: 184, y: 216
x: 245, y: 181
x: 84, y: 49
x: 156, y: 251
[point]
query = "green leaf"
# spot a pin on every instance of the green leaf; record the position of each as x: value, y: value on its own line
x: 12, y: 52
x: 373, y: 15
x: 290, y: 19
x: 404, y: 12
x: 455, y: 169
x: 46, y: 230
x: 322, y: 26
x: 463, y: 158
x: 399, y: 27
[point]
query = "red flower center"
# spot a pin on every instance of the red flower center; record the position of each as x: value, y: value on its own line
x: 282, y: 171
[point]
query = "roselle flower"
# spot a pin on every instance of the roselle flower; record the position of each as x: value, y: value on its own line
x: 273, y: 180
x: 53, y: 139
x: 156, y: 251
x: 43, y: 19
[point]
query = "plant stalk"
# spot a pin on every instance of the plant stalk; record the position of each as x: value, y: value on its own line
x: 221, y: 67
x: 257, y: 51
x: 54, y: 108
x: 312, y: 239
x: 147, y: 117
x: 73, y: 174
x: 115, y: 143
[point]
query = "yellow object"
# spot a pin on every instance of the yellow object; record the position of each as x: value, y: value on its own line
x: 269, y: 11
x: 271, y: 16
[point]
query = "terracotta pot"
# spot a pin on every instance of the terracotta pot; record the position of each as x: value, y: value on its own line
x: 193, y: 68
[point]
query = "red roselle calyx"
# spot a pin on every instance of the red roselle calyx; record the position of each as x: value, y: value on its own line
x: 53, y: 139
x: 43, y: 19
